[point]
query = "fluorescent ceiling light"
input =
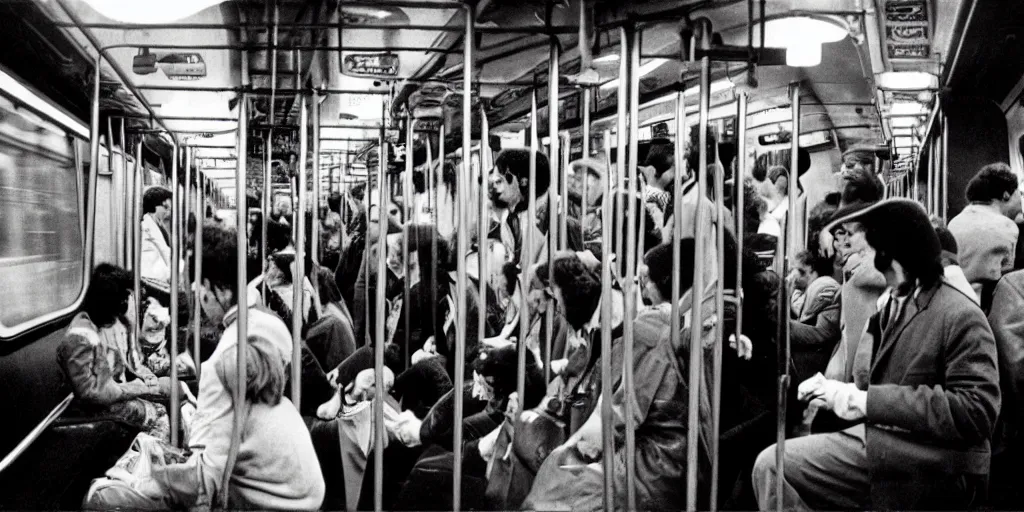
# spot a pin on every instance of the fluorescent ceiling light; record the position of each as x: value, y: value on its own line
x: 139, y: 12
x: 903, y: 122
x: 645, y: 69
x: 902, y: 132
x: 906, y: 81
x: 903, y: 142
x: 907, y: 109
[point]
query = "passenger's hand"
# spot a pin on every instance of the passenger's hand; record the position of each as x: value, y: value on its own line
x: 512, y: 409
x: 364, y: 387
x: 332, y: 378
x: 825, y: 244
x: 428, y: 351
x: 843, y: 398
x: 487, y: 443
x: 408, y: 429
x: 329, y: 409
x: 744, y: 348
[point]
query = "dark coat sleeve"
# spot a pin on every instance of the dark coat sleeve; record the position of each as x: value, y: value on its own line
x: 964, y: 407
x: 1007, y: 320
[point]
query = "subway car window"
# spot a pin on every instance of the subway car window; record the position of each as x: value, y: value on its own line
x: 40, y: 239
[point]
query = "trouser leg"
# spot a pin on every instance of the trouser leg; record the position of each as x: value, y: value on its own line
x: 823, y: 471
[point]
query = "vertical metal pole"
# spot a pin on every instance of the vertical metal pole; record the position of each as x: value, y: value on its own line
x: 944, y: 169
x: 463, y: 246
x: 299, y: 277
x: 410, y: 195
x: 587, y: 91
x: 268, y: 155
x: 188, y: 210
x: 432, y: 186
x: 525, y: 318
x: 379, y: 319
x: 484, y: 248
x: 738, y: 193
x: 197, y: 311
x: 243, y: 300
x: 620, y: 139
x: 607, y: 439
x: 113, y: 219
x: 563, y: 203
x: 140, y: 168
x: 629, y: 287
x: 125, y: 205
x: 94, y: 165
x: 172, y: 346
x: 716, y: 362
x: 315, y: 242
x: 553, y: 193
x: 677, y: 232
x: 696, y: 323
x: 784, y: 347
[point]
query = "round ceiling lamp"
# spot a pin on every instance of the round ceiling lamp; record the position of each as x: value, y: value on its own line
x: 802, y: 37
x: 146, y: 13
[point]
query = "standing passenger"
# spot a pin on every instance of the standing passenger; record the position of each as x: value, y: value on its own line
x: 932, y: 398
x: 156, y: 249
x: 508, y: 185
x: 985, y: 230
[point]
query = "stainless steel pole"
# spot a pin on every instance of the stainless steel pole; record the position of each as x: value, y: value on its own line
x: 463, y: 247
x: 315, y: 242
x: 299, y: 277
x: 484, y: 248
x: 788, y: 263
x: 587, y: 92
x: 140, y: 169
x: 410, y: 196
x: 607, y: 439
x: 631, y: 81
x: 621, y: 139
x: 380, y: 318
x: 268, y: 152
x: 172, y: 346
x: 944, y: 169
x: 553, y: 196
x: 696, y: 352
x: 526, y: 258
x: 677, y: 234
x: 716, y: 362
x: 197, y: 308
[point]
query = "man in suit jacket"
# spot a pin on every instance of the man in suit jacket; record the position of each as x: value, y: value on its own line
x: 156, y: 249
x: 931, y: 400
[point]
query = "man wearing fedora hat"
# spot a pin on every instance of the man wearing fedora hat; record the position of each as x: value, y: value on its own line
x: 931, y: 400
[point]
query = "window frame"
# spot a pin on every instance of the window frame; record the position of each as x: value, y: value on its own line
x: 25, y: 97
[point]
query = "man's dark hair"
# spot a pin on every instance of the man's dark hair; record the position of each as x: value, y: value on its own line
x: 661, y: 156
x: 334, y: 202
x: 517, y: 162
x: 693, y: 149
x: 153, y: 197
x: 947, y: 240
x: 279, y: 236
x: 820, y: 265
x: 220, y: 257
x: 991, y: 182
x: 358, y: 191
x: 581, y: 288
x: 106, y: 299
x: 659, y: 266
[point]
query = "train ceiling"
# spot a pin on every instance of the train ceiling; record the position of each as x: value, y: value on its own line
x: 892, y: 35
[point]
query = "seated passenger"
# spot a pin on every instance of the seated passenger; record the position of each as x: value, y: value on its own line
x: 813, y: 276
x: 572, y: 478
x: 930, y: 403
x: 99, y: 364
x: 276, y: 466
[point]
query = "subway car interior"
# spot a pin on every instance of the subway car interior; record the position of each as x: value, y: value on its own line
x: 511, y: 255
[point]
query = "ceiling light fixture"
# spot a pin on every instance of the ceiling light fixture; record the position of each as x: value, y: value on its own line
x: 906, y: 81
x: 802, y: 37
x: 907, y: 108
x: 143, y: 13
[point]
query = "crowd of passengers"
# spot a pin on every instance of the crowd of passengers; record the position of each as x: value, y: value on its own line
x: 907, y: 351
